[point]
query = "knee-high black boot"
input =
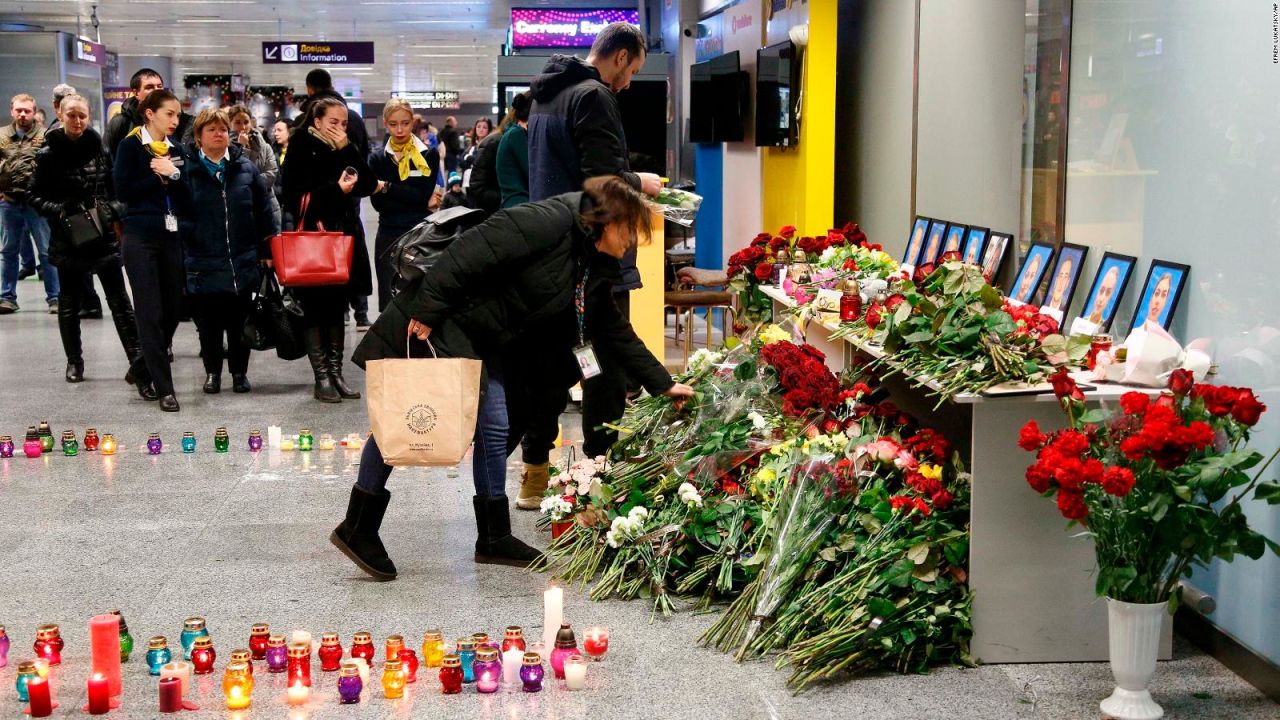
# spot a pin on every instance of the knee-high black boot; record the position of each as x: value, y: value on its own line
x: 316, y: 341
x: 495, y: 545
x: 69, y: 329
x: 357, y: 536
x: 337, y: 341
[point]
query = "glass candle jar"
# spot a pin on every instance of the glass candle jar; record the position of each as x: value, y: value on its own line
x: 26, y: 673
x: 32, y: 447
x: 487, y: 670
x: 395, y: 643
x: 393, y: 680
x: 327, y: 442
x: 109, y: 444
x: 158, y: 654
x: 482, y: 640
x: 531, y: 672
x: 513, y: 638
x: 277, y: 654
x: 4, y: 647
x: 188, y: 442
x: 46, y: 436
x: 305, y: 440
x: 6, y: 446
x: 362, y: 646
x: 595, y: 642
x: 154, y: 444
x: 258, y: 636
x: 566, y: 645
x: 451, y: 675
x: 126, y: 638
x: 221, y: 440
x: 432, y: 648
x: 575, y: 672
x: 850, y: 301
x: 299, y: 664
x: 255, y: 444
x: 237, y: 685
x: 91, y: 440
x: 48, y: 645
x: 409, y: 659
x: 349, y: 684
x: 330, y: 652
x: 203, y: 655
x: 467, y: 654
x: 781, y: 261
x: 241, y: 656
x: 70, y: 446
x: 192, y: 628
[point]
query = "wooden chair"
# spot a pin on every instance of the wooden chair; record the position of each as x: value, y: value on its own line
x: 685, y: 300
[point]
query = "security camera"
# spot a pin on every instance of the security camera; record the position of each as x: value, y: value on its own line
x: 94, y: 18
x: 693, y: 30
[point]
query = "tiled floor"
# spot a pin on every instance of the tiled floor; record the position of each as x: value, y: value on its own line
x: 240, y: 539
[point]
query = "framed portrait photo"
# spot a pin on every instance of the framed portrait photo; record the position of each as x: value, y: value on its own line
x: 1034, y: 266
x: 955, y: 238
x: 915, y: 242
x: 993, y: 256
x: 1064, y: 278
x: 1107, y: 289
x: 1161, y: 293
x: 933, y: 244
x: 974, y: 243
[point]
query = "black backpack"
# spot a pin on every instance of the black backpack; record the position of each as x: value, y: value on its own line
x: 417, y: 250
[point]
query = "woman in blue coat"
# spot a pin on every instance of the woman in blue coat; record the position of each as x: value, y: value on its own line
x: 226, y: 235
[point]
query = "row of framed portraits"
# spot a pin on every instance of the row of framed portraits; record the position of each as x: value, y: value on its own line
x: 932, y: 238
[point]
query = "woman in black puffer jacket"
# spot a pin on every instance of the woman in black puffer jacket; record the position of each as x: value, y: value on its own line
x: 73, y: 174
x: 224, y: 236
x: 549, y: 265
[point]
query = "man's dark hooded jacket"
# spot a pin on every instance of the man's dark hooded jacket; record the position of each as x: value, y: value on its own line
x: 130, y: 117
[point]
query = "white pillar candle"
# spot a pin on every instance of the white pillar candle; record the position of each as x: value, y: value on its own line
x: 273, y: 436
x: 511, y: 661
x: 575, y: 673
x: 180, y: 670
x: 301, y: 637
x: 298, y: 694
x: 552, y: 614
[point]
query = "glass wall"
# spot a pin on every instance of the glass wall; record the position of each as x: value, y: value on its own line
x: 1174, y: 154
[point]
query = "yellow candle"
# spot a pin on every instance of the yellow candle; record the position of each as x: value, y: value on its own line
x: 298, y: 694
x: 237, y: 685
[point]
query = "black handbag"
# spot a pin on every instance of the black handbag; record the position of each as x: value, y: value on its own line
x: 414, y: 252
x: 85, y: 226
x: 274, y: 321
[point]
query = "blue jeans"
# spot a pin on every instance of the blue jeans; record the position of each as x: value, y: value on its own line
x: 489, y: 453
x: 16, y: 222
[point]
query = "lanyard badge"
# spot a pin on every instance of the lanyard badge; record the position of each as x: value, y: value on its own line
x: 584, y: 353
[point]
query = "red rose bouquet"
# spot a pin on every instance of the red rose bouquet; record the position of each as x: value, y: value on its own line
x: 1159, y: 485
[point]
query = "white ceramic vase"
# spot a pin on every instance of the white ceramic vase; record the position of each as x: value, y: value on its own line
x: 1134, y: 634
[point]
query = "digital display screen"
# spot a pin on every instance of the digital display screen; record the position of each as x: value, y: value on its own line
x: 545, y: 28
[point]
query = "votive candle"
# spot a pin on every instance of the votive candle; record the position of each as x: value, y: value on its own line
x: 299, y: 664
x: 349, y: 684
x: 49, y: 644
x: 70, y: 446
x: 395, y: 643
x: 330, y: 652
x: 221, y: 440
x: 109, y: 444
x: 258, y: 636
x: 277, y: 654
x: 552, y: 614
x: 242, y: 656
x: 154, y: 444
x: 126, y: 638
x: 158, y: 654
x: 26, y: 673
x: 255, y: 440
x: 393, y: 680
x: 91, y: 440
x: 237, y: 685
x: 305, y: 440
x: 203, y: 655
x: 301, y: 637
x: 188, y: 442
x: 432, y: 648
x: 575, y: 672
x: 99, y: 694
x: 362, y: 646
x: 192, y: 628
x: 595, y: 642
x: 170, y: 694
x: 298, y: 693
x: 513, y: 637
x: 410, y: 660
x: 6, y: 450
x: 39, y: 697
x: 531, y: 672
x: 487, y: 670
x: 467, y: 654
x: 180, y: 671
x: 273, y: 435
x: 512, y: 659
x: 4, y: 647
x: 451, y: 674
x: 566, y: 645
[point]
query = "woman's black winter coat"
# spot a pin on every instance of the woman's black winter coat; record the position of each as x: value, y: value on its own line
x: 71, y: 176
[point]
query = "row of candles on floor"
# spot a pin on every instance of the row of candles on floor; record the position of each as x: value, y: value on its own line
x: 475, y: 660
x: 39, y: 440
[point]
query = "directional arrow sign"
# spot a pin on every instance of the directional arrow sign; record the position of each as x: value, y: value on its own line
x: 270, y: 51
x: 318, y: 52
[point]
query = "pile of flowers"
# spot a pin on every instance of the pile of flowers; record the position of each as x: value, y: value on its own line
x: 754, y: 265
x: 1149, y: 482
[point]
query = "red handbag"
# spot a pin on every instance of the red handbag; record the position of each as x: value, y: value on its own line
x: 310, y: 258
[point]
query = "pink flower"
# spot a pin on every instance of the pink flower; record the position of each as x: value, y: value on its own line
x: 906, y: 461
x: 882, y: 450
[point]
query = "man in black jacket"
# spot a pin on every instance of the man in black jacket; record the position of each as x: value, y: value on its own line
x: 451, y: 141
x: 575, y: 132
x: 143, y: 83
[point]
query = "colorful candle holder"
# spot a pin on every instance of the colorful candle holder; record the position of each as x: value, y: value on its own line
x: 91, y: 440
x: 188, y: 442
x: 481, y: 639
x: 6, y: 446
x: 40, y: 698
x: 255, y: 440
x: 31, y: 446
x: 362, y: 646
x: 330, y: 652
x: 258, y: 636
x: 192, y: 628
x: 170, y: 694
x: 126, y: 638
x: 575, y: 672
x: 451, y: 674
x: 513, y: 638
x: 595, y: 642
x: 48, y: 645
x: 410, y: 660
x: 531, y: 672
x: 109, y: 444
x: 241, y: 655
x: 393, y: 679
x: 70, y: 446
x: 154, y: 444
x: 299, y: 664
x: 566, y: 646
x: 203, y: 655
x: 305, y: 440
x: 46, y: 436
x: 277, y: 654
x: 395, y: 643
x: 432, y: 648
x: 158, y: 654
x: 327, y: 442
x: 4, y: 647
x: 349, y: 684
x: 221, y: 440
x: 26, y: 673
x: 467, y: 654
x: 237, y: 685
x: 487, y: 670
x: 98, y: 691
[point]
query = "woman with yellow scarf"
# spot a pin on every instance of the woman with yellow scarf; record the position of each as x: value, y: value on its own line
x: 408, y: 173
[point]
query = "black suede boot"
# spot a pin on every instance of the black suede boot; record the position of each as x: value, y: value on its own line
x: 75, y: 370
x: 337, y: 341
x: 357, y: 536
x: 495, y: 545
x: 317, y: 353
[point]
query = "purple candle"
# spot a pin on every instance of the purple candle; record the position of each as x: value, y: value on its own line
x: 349, y: 684
x: 255, y: 441
x: 531, y: 672
x: 154, y: 444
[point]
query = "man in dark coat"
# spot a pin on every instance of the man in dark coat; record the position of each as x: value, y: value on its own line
x: 575, y: 132
x: 451, y: 141
x: 143, y: 83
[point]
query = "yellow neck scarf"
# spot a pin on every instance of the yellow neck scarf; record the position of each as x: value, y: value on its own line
x: 158, y: 148
x: 409, y: 153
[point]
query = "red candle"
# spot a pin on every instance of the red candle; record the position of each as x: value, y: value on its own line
x: 104, y: 647
x: 170, y: 695
x: 99, y: 694
x: 596, y: 642
x: 40, y: 698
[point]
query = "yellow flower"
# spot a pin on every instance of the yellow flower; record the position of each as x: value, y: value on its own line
x: 772, y: 334
x: 932, y: 472
x: 766, y: 474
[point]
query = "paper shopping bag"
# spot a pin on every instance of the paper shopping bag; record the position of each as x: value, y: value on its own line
x: 423, y: 411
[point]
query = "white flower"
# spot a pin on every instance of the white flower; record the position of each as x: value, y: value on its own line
x: 704, y: 358
x: 689, y: 495
x: 557, y: 507
x: 638, y: 514
x: 825, y: 257
x: 757, y: 420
